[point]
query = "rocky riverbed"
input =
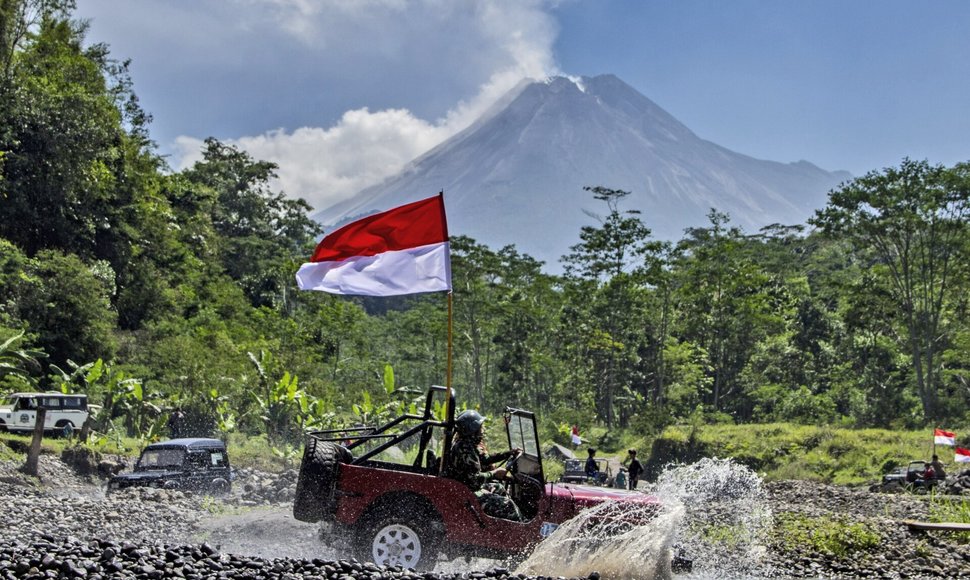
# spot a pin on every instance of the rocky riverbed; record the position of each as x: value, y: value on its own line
x: 65, y: 526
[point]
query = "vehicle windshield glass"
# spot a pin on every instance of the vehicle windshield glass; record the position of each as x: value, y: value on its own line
x: 161, y: 458
x: 25, y: 403
x: 522, y: 434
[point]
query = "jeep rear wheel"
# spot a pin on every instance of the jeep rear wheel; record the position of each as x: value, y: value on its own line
x: 316, y: 483
x: 398, y: 540
x: 220, y: 486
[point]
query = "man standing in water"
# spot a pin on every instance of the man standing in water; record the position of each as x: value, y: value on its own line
x: 469, y: 463
x: 634, y: 468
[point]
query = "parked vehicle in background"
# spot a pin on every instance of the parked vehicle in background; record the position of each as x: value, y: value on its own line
x: 575, y: 472
x: 65, y: 413
x: 910, y: 478
x: 380, y: 492
x: 195, y: 464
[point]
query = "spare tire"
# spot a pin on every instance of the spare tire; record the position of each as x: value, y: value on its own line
x: 314, y: 499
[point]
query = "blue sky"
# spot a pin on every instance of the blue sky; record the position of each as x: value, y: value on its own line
x: 342, y: 93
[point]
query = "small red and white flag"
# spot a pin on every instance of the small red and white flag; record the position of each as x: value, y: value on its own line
x: 941, y: 437
x: 961, y: 455
x: 577, y: 440
x: 400, y: 251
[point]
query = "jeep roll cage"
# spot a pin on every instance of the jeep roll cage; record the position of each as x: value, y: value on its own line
x: 371, y: 441
x: 364, y: 443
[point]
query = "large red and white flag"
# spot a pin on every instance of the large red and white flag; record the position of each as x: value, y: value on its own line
x: 400, y: 251
x: 941, y: 437
x: 962, y: 455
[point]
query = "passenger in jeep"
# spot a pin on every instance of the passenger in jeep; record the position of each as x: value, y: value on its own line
x: 470, y: 464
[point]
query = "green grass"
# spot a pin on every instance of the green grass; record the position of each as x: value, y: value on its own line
x: 724, y: 535
x: 827, y: 535
x: 951, y: 510
x: 785, y: 451
x: 552, y: 470
x: 255, y: 452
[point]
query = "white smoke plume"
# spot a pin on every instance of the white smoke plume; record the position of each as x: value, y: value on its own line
x: 504, y: 40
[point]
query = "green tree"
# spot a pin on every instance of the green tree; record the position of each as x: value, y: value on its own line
x: 261, y: 231
x: 60, y: 133
x: 727, y: 304
x: 912, y: 221
x: 66, y: 303
x: 599, y: 267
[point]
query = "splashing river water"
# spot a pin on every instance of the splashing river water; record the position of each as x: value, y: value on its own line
x: 714, y: 514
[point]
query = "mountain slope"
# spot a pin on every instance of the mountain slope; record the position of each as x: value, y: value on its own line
x: 516, y: 176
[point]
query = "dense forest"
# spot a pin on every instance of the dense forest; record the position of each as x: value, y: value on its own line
x: 155, y: 290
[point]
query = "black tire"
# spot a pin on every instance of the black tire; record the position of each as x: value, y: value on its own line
x: 314, y: 498
x: 398, y: 539
x: 220, y: 486
x: 893, y: 487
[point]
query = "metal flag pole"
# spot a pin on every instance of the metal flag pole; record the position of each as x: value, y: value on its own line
x: 449, y: 394
x: 448, y: 371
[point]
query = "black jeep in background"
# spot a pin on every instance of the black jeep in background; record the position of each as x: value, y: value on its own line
x: 190, y: 464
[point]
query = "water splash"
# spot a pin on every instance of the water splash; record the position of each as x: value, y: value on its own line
x: 712, y: 513
x: 726, y: 518
x: 603, y: 539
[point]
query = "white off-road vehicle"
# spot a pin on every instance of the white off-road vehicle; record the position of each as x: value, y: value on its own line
x: 65, y: 413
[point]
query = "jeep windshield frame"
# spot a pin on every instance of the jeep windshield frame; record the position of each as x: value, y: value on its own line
x: 161, y: 458
x: 523, y: 433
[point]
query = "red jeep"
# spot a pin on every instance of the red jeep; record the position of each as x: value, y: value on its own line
x: 381, y: 490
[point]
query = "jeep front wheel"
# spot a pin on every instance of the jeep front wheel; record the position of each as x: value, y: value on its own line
x: 396, y: 540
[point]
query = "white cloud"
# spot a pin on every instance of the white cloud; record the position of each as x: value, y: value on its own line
x: 326, y: 165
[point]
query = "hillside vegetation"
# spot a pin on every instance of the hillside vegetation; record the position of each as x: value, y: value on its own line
x: 785, y: 451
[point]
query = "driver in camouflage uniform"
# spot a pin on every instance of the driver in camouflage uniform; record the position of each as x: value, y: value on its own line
x: 469, y: 463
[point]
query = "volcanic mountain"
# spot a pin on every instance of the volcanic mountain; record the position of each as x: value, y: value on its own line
x: 516, y: 175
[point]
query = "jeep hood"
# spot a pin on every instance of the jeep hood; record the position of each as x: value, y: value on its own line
x: 590, y: 495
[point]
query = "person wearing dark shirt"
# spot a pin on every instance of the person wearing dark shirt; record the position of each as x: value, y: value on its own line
x: 937, y: 466
x: 634, y: 468
x: 591, y: 468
